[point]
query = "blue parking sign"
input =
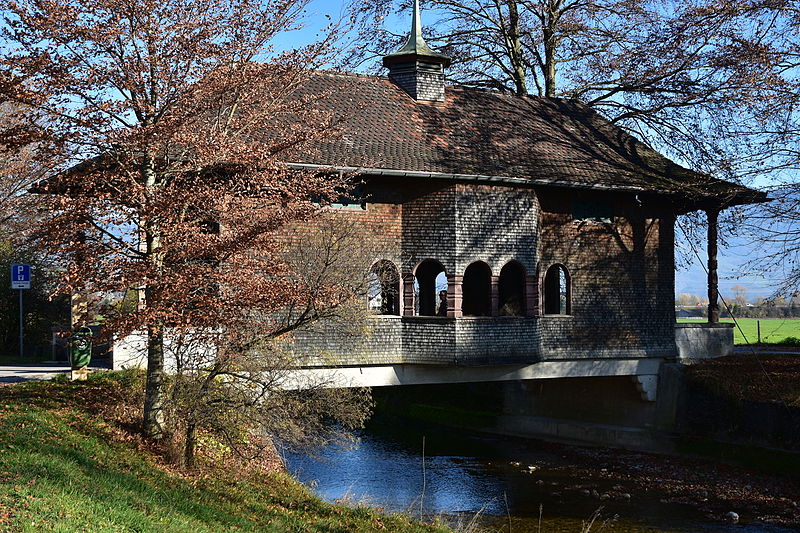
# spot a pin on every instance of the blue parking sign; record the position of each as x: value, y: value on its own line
x: 20, y: 276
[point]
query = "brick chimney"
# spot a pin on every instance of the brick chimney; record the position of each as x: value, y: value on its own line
x: 416, y: 68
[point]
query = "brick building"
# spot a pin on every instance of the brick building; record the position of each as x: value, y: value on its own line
x: 514, y: 229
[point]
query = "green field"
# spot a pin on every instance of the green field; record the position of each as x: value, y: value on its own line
x: 773, y: 330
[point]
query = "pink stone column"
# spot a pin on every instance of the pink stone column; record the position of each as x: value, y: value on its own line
x: 408, y: 295
x: 454, y: 296
x: 531, y: 296
x: 495, y: 296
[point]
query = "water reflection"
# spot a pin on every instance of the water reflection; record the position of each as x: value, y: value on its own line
x: 465, y: 474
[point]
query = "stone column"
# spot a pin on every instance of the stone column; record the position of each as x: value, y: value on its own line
x: 713, y: 281
x: 408, y: 295
x: 531, y: 296
x: 454, y: 296
x: 495, y: 296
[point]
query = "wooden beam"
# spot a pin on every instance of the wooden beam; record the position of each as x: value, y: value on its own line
x: 713, y: 279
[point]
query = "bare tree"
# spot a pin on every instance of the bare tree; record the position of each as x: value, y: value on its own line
x: 691, y: 78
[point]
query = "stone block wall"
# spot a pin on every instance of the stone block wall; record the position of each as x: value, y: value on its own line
x: 495, y: 224
x: 421, y: 84
x: 429, y: 225
x: 423, y: 340
x: 380, y: 343
x: 622, y: 274
x: 501, y: 340
x: 622, y: 279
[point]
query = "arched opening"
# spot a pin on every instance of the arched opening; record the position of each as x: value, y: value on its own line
x: 431, y: 287
x: 556, y: 291
x: 477, y: 290
x: 512, y: 290
x: 383, y: 291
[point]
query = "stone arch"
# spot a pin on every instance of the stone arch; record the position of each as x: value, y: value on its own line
x: 428, y: 276
x: 383, y: 292
x: 511, y: 289
x: 476, y: 290
x: 557, y: 291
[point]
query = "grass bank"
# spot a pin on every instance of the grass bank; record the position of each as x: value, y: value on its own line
x: 773, y: 330
x: 71, y: 460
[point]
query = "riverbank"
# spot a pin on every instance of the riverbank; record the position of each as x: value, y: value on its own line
x: 71, y: 459
x: 611, y: 476
x: 733, y: 415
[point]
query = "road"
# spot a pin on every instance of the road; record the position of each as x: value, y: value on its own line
x: 23, y: 372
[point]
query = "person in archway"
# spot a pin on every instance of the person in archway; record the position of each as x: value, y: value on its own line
x: 442, y: 304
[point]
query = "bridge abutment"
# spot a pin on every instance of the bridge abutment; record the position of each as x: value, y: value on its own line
x: 600, y: 410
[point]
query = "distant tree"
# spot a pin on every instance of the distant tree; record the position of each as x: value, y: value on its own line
x: 18, y: 212
x: 166, y: 136
x: 686, y: 299
x: 739, y: 295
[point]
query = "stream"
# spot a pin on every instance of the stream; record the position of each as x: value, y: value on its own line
x: 466, y: 478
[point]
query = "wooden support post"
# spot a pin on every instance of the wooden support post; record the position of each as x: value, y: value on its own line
x: 713, y: 280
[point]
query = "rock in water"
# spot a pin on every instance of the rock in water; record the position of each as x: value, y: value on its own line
x: 733, y: 517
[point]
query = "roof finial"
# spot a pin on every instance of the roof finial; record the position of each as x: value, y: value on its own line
x: 416, y: 28
x: 415, y: 44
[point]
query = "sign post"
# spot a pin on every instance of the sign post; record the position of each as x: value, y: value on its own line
x: 21, y: 280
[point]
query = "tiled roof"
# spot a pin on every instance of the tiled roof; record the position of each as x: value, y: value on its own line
x: 486, y: 133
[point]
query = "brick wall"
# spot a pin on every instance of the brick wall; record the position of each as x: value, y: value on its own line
x: 622, y: 278
x: 622, y: 274
x: 429, y: 224
x: 495, y: 224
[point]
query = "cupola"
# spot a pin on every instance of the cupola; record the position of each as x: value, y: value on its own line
x: 416, y: 68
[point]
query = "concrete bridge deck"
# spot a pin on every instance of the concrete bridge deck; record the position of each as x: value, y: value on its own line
x: 519, y: 359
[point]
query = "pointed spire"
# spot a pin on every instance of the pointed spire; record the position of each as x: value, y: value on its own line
x: 416, y: 67
x: 415, y: 44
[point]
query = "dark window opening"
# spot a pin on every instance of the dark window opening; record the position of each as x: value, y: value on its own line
x: 430, y: 286
x: 591, y: 211
x: 556, y: 291
x: 477, y: 290
x: 348, y: 198
x: 383, y: 296
x: 512, y: 290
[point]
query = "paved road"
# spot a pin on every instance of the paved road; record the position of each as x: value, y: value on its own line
x: 23, y: 372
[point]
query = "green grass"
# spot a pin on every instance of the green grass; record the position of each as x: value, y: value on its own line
x: 65, y: 466
x: 773, y: 330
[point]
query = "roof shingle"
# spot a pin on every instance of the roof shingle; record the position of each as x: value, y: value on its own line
x: 487, y: 133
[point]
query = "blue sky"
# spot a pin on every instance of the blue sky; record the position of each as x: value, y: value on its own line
x: 733, y: 270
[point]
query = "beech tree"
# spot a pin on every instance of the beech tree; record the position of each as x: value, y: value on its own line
x: 164, y: 136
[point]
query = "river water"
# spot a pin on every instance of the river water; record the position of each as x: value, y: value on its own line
x: 464, y: 476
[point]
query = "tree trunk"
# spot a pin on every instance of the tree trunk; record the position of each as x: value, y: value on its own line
x: 515, y: 45
x: 154, y: 418
x: 189, y: 446
x: 550, y: 44
x: 155, y: 395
